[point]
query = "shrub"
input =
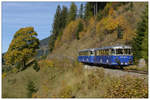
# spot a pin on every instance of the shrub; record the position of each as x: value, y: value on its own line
x: 4, y: 75
x: 127, y: 87
x: 36, y: 66
x: 46, y: 63
x: 31, y: 89
x: 14, y: 70
x: 6, y: 69
x: 66, y: 92
x: 78, y: 69
x: 93, y: 81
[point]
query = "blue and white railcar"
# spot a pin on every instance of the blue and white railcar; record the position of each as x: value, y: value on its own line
x: 114, y: 55
x: 86, y: 56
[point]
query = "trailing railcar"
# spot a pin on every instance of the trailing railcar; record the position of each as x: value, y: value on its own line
x: 113, y: 55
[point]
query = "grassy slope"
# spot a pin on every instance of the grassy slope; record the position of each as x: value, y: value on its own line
x: 69, y: 80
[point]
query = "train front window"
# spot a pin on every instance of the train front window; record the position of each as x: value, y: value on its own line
x: 127, y: 51
x: 119, y: 51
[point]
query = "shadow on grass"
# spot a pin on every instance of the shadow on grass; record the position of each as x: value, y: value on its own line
x: 105, y: 66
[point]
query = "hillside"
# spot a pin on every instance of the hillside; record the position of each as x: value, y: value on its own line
x: 100, y: 33
x: 58, y: 74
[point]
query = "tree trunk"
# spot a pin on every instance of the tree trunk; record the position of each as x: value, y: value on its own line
x: 23, y: 65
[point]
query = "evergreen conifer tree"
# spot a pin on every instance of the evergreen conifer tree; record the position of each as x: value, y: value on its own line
x: 140, y: 41
x: 145, y: 41
x: 55, y: 29
x: 88, y: 11
x: 72, y: 12
x: 81, y: 11
x: 64, y: 15
x: 79, y: 29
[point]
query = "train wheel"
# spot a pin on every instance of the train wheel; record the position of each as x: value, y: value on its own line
x: 121, y: 67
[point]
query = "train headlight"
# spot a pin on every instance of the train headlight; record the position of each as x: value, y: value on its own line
x: 130, y: 61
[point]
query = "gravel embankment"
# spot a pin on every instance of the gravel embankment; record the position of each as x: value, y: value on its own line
x: 116, y: 72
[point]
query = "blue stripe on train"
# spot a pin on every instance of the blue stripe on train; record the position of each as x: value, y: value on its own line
x: 109, y: 60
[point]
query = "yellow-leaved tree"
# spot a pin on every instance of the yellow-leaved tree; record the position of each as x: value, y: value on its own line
x: 22, y: 48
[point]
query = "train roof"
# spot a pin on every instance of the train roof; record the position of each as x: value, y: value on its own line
x: 86, y: 50
x: 109, y: 47
x: 114, y: 47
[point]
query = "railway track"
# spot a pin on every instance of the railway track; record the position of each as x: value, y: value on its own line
x: 117, y: 69
x: 136, y: 71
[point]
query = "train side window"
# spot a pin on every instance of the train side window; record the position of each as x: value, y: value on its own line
x: 107, y: 51
x: 92, y: 53
x: 102, y: 52
x: 130, y: 52
x: 126, y: 51
x: 119, y: 51
x: 97, y: 52
x: 112, y: 51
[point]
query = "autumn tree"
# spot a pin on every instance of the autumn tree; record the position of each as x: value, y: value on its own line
x: 72, y: 12
x: 22, y: 48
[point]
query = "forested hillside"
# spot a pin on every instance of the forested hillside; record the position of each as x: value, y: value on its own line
x: 105, y: 25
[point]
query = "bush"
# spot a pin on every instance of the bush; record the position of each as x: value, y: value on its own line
x: 6, y: 69
x: 66, y: 92
x: 127, y: 87
x: 46, y: 63
x: 36, y: 67
x: 4, y: 75
x: 31, y: 89
x: 14, y: 70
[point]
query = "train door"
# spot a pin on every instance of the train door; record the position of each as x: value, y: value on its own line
x: 92, y: 55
